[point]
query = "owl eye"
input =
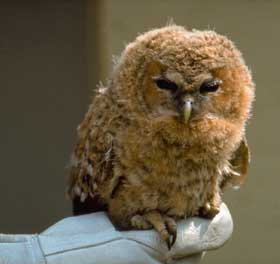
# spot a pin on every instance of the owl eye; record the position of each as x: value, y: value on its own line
x: 165, y: 84
x: 210, y: 86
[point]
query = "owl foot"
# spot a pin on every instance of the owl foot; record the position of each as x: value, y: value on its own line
x: 140, y: 222
x: 164, y: 225
x: 209, y: 211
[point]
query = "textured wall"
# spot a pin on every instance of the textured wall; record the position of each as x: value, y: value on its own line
x: 254, y: 27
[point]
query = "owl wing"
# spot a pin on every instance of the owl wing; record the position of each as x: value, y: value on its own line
x: 237, y: 173
x: 91, y: 170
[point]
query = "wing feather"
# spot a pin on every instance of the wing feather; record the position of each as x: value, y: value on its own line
x: 91, y: 167
x: 238, y: 171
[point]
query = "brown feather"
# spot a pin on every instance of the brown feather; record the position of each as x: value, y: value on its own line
x: 133, y: 152
x: 239, y: 166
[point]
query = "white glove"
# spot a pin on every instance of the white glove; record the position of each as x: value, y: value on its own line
x: 92, y: 239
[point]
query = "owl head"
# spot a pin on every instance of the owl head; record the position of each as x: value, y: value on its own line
x: 193, y: 86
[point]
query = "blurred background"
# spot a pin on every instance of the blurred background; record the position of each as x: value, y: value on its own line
x: 52, y: 55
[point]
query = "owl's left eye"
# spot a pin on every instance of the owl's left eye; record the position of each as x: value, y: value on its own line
x: 210, y: 86
x: 165, y: 84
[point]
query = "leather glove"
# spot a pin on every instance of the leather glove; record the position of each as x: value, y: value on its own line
x: 92, y: 239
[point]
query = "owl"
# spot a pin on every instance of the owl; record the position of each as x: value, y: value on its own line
x: 164, y: 138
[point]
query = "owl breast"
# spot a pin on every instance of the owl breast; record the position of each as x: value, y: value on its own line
x: 162, y: 176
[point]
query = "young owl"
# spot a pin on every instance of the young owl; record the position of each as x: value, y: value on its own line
x: 167, y: 134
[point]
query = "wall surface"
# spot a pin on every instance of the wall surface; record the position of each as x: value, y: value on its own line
x: 254, y: 27
x: 43, y: 96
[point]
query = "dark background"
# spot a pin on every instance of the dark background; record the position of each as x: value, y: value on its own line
x: 44, y: 93
x: 52, y: 55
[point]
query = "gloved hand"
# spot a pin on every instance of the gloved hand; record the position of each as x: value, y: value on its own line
x: 92, y: 239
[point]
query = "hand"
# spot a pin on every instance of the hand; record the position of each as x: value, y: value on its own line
x: 92, y: 238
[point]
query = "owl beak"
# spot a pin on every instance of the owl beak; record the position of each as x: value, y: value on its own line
x: 187, y: 110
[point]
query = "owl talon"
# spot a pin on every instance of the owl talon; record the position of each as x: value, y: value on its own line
x: 171, y: 228
x: 169, y: 244
x: 174, y: 237
x: 164, y: 225
x: 168, y: 238
x: 209, y: 211
x: 165, y: 236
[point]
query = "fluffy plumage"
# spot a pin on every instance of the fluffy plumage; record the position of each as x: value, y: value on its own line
x: 137, y: 155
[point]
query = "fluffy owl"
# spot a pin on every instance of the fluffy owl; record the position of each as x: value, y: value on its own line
x: 167, y: 134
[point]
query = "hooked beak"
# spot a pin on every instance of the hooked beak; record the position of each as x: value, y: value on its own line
x: 187, y: 110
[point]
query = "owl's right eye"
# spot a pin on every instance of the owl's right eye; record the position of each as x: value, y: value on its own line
x: 165, y: 84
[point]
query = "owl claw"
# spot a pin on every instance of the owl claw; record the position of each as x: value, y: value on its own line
x: 172, y: 229
x: 170, y: 241
x: 168, y: 237
x: 165, y: 236
x: 174, y: 237
x: 169, y: 244
x: 164, y: 225
x: 209, y: 211
x: 169, y: 232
